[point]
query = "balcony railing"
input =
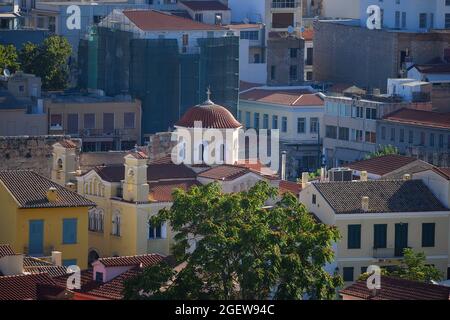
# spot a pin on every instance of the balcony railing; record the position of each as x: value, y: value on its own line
x: 285, y: 4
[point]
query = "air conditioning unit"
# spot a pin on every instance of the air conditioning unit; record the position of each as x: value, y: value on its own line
x: 340, y: 174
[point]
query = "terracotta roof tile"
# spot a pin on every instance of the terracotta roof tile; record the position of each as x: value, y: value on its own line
x: 308, y: 34
x: 398, y: 289
x: 433, y: 68
x: 30, y: 191
x: 151, y: 20
x: 145, y: 259
x: 445, y: 172
x: 205, y: 5
x: 23, y: 287
x: 162, y: 191
x: 420, y: 118
x: 210, y: 116
x: 289, y: 186
x: 224, y: 172
x: 6, y: 250
x: 113, y: 290
x: 36, y: 265
x: 382, y: 165
x: 68, y: 144
x: 292, y: 98
x: 384, y: 196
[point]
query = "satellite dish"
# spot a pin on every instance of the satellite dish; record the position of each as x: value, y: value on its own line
x: 6, y: 73
x: 290, y: 30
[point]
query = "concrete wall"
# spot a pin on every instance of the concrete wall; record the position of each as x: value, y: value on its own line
x: 28, y: 152
x: 278, y: 55
x: 340, y: 9
x: 18, y: 122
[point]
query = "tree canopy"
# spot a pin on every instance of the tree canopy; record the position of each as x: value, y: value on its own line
x: 8, y: 58
x: 383, y: 151
x: 243, y: 249
x: 48, y: 61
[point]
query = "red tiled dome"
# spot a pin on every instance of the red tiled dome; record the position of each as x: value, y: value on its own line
x: 211, y: 116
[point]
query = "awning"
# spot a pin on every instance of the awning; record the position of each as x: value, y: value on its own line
x: 9, y: 15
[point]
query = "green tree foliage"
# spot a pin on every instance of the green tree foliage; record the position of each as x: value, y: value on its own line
x: 244, y: 250
x: 383, y: 151
x: 414, y: 267
x: 48, y: 61
x: 8, y: 58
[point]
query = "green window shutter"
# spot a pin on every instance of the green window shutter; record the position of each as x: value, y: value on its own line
x: 379, y: 235
x: 69, y: 231
x: 428, y: 234
x: 354, y: 236
x: 348, y: 273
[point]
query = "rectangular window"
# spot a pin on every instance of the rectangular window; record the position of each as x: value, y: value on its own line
x: 70, y: 231
x: 266, y: 121
x: 344, y: 134
x: 348, y: 274
x: 370, y: 137
x: 293, y: 52
x: 410, y: 136
x: 441, y: 141
x: 314, y: 125
x: 249, y: 35
x: 272, y: 73
x: 247, y: 119
x: 422, y: 20
x: 72, y: 123
x: 379, y: 235
x: 357, y: 135
x: 422, y: 138
x: 199, y: 17
x: 403, y: 20
x: 301, y: 125
x: 99, y: 276
x: 371, y: 113
x: 256, y: 120
x: 309, y: 56
x: 185, y: 40
x: 402, y: 135
x: 274, y: 122
x: 331, y: 132
x: 293, y: 74
x: 383, y: 133
x: 392, y: 134
x: 129, y: 120
x: 108, y: 123
x: 428, y: 234
x: 284, y: 124
x: 354, y: 236
x: 397, y: 19
x: 89, y: 121
x: 314, y: 199
x: 447, y: 21
x: 431, y: 139
x: 56, y: 120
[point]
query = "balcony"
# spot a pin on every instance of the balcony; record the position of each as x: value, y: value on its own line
x: 285, y: 4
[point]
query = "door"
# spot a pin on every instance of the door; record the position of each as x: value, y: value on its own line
x: 36, y: 238
x: 401, y: 238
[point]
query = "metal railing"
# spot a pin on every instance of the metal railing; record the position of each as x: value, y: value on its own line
x: 285, y: 4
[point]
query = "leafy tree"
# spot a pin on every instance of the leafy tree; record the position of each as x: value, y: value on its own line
x: 8, y: 58
x: 243, y: 250
x: 383, y: 151
x: 414, y: 267
x: 48, y: 61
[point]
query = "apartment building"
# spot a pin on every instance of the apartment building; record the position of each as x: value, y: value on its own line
x: 420, y: 134
x: 103, y: 123
x: 351, y: 121
x: 377, y: 219
x: 297, y: 112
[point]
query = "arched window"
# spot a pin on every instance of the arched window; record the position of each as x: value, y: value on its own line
x: 92, y: 220
x: 116, y: 224
x: 86, y: 188
x: 100, y: 219
x: 60, y: 164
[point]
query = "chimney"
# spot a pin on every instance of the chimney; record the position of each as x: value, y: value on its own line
x: 57, y: 258
x: 365, y: 204
x: 406, y: 177
x: 363, y: 176
x: 283, y: 165
x: 71, y: 186
x: 52, y: 194
x: 305, y: 178
x: 11, y: 265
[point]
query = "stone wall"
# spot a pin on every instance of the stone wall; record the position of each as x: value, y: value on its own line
x: 160, y: 145
x: 278, y: 55
x: 28, y: 153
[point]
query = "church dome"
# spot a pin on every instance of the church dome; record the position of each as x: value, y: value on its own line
x: 211, y: 115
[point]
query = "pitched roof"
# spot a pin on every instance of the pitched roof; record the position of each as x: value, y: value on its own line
x: 210, y: 116
x: 124, y: 261
x: 292, y: 98
x: 36, y: 265
x: 151, y: 20
x: 162, y: 191
x: 113, y: 290
x: 382, y: 165
x: 155, y: 172
x: 6, y: 250
x: 398, y: 289
x: 23, y: 287
x: 224, y: 172
x: 433, y: 68
x: 205, y: 5
x: 384, y: 196
x: 420, y: 118
x: 290, y: 186
x: 445, y: 172
x: 68, y: 144
x: 30, y: 191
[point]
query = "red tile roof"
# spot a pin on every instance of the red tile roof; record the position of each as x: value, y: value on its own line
x: 433, y: 68
x: 162, y: 191
x: 244, y: 85
x: 124, y: 261
x: 113, y: 290
x: 6, y: 250
x: 420, y: 118
x: 382, y: 165
x: 239, y: 26
x: 398, y: 289
x: 138, y: 155
x: 289, y: 186
x: 224, y: 172
x: 444, y: 172
x: 68, y: 144
x: 151, y: 20
x: 24, y: 287
x: 205, y: 5
x: 210, y: 116
x: 292, y: 98
x: 30, y: 191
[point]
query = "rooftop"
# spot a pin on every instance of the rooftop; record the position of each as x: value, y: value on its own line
x: 382, y: 165
x: 398, y: 289
x: 162, y: 191
x: 30, y: 191
x: 9, y: 102
x: 441, y: 68
x: 129, y: 261
x: 420, y: 118
x: 224, y: 172
x: 151, y: 20
x: 385, y: 196
x: 205, y: 5
x: 285, y: 97
x: 25, y: 287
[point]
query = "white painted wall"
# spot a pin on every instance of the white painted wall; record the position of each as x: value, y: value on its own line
x: 250, y: 72
x: 437, y: 184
